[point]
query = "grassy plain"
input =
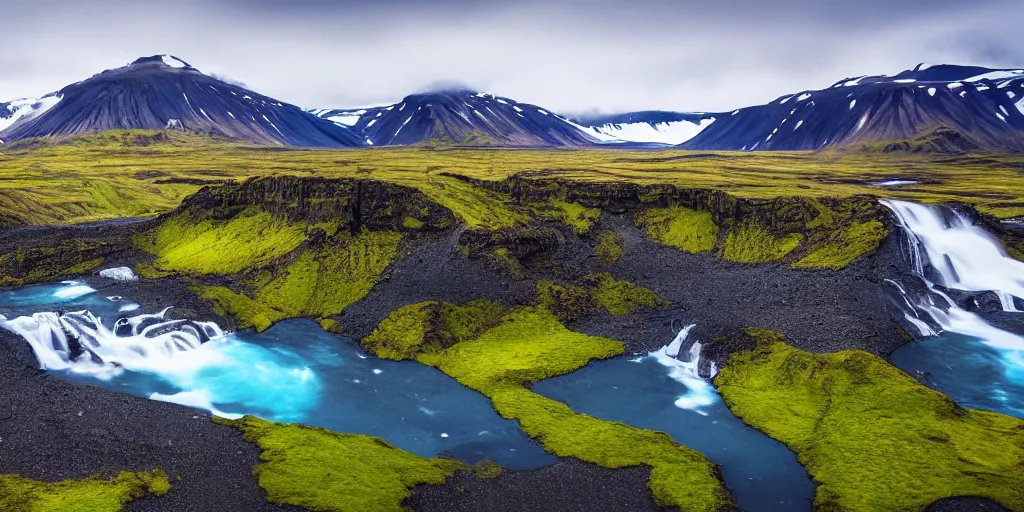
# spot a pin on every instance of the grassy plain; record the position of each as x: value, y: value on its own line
x: 125, y: 174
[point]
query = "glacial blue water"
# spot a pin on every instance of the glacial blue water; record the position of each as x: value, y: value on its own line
x: 293, y: 372
x: 975, y: 374
x: 762, y: 474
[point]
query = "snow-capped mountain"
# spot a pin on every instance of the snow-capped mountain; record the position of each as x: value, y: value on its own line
x: 26, y: 108
x: 983, y: 107
x: 460, y: 117
x: 165, y: 92
x: 650, y: 127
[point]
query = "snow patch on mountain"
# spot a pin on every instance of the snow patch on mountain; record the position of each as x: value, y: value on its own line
x: 675, y: 132
x: 25, y: 109
x: 173, y: 62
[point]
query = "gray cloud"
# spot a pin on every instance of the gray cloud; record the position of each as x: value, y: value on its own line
x: 570, y: 56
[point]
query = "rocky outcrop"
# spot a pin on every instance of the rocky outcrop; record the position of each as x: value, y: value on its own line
x: 355, y: 203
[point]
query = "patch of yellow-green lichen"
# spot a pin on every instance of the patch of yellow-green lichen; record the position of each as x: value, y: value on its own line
x: 328, y: 471
x: 18, y: 494
x: 870, y: 435
x: 685, y: 229
x: 751, y: 242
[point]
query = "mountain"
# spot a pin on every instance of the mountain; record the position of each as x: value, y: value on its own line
x: 165, y: 92
x: 460, y: 117
x: 650, y: 127
x: 984, y: 107
x: 27, y: 108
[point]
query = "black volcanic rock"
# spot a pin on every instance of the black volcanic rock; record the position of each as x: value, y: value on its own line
x: 983, y: 107
x: 461, y: 117
x: 165, y: 92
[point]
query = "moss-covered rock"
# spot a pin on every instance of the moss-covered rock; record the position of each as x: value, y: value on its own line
x: 50, y: 260
x: 598, y: 291
x: 683, y: 228
x: 845, y: 245
x: 430, y: 327
x: 752, y: 242
x: 870, y: 435
x: 18, y: 494
x: 609, y: 249
x: 512, y: 250
x: 812, y: 233
x: 328, y: 471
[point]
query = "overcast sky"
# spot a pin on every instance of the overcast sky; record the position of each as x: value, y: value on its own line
x: 573, y: 56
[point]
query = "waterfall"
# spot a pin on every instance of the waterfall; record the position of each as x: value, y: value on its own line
x: 948, y: 252
x: 79, y: 342
x: 700, y: 393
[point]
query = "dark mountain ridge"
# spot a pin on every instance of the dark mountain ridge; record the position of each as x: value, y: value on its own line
x: 984, y: 106
x: 165, y: 92
x: 461, y: 117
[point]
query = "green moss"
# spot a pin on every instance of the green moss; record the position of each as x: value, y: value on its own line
x: 609, y: 248
x: 568, y: 301
x: 412, y: 223
x: 248, y: 240
x: 487, y: 469
x: 83, y: 267
x: 147, y: 271
x: 685, y: 229
x: 751, y: 242
x: 602, y: 290
x: 326, y: 279
x: 246, y: 312
x: 331, y: 325
x: 94, y: 494
x: 319, y: 283
x: 331, y: 472
x: 504, y: 259
x: 577, y: 216
x: 531, y: 345
x: 870, y: 435
x: 846, y: 246
x: 403, y: 333
x: 469, y: 320
x: 430, y: 327
x: 622, y: 297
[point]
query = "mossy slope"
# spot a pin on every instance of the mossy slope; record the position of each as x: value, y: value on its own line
x: 872, y: 436
x: 267, y: 250
x: 94, y: 494
x: 810, y: 233
x: 528, y: 345
x: 327, y: 471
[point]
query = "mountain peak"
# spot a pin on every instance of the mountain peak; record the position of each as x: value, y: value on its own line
x: 165, y: 60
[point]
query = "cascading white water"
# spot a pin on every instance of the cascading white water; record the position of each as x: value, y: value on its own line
x: 181, y: 361
x: 961, y: 256
x: 700, y: 393
x: 79, y: 342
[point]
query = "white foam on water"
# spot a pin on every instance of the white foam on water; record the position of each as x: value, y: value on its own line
x: 206, y: 367
x: 195, y: 399
x: 73, y: 290
x: 700, y: 393
x: 962, y: 256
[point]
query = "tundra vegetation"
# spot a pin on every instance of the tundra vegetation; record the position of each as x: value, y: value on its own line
x: 94, y: 494
x: 870, y: 435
